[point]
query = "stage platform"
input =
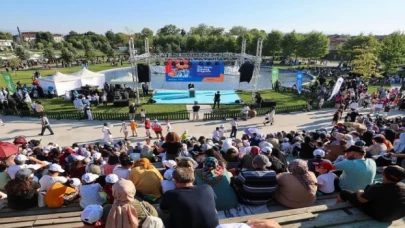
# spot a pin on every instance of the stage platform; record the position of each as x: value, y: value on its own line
x: 202, y: 97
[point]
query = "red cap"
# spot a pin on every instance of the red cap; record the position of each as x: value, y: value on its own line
x: 326, y: 165
x: 69, y: 150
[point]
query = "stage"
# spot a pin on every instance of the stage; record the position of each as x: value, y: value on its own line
x: 201, y: 96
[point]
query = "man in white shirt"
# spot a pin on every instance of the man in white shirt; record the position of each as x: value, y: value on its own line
x: 53, y: 176
x: 234, y: 125
x: 45, y: 125
x: 20, y: 164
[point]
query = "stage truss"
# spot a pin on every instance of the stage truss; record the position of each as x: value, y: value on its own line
x: 148, y: 57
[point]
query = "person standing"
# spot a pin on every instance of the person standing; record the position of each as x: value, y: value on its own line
x: 45, y: 124
x: 124, y: 129
x: 131, y: 111
x: 217, y: 99
x: 234, y: 125
x: 107, y: 134
x: 196, y: 109
x: 39, y: 108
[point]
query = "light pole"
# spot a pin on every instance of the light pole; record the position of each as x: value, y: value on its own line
x: 132, y: 60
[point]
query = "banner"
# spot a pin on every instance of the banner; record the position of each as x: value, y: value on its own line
x: 298, y: 81
x: 336, y: 89
x: 9, y: 82
x: 195, y: 71
x: 274, y: 75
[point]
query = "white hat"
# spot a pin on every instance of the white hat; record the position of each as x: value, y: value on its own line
x: 75, y: 182
x: 89, y: 177
x: 298, y: 138
x: 169, y: 163
x: 96, y: 156
x: 319, y: 153
x: 79, y: 158
x: 186, y: 131
x: 47, y: 149
x: 56, y: 168
x: 91, y: 214
x: 221, y: 125
x: 286, y: 139
x: 111, y: 178
x: 169, y: 174
x: 266, y: 150
x: 21, y: 158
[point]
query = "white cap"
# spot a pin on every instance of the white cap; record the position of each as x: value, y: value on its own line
x: 79, y: 158
x: 221, y: 125
x: 169, y: 163
x: 21, y: 157
x: 297, y: 138
x: 186, y: 131
x: 286, y: 139
x: 75, y: 182
x: 96, y: 156
x: 56, y: 168
x: 89, y: 177
x: 111, y: 178
x: 91, y: 214
x: 266, y: 150
x: 169, y: 174
x: 319, y: 153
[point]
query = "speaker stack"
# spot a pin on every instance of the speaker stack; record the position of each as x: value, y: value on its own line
x: 143, y: 73
x: 246, y: 72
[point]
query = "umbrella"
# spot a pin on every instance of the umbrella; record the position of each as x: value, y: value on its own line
x: 7, y: 149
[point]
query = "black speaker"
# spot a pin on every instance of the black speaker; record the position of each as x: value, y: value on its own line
x: 240, y: 101
x: 143, y: 73
x: 246, y: 72
x: 121, y: 103
x: 268, y: 103
x: 151, y: 101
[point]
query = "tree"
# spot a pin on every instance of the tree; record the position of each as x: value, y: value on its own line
x: 168, y: 48
x: 346, y: 50
x: 392, y: 52
x: 147, y: 33
x: 168, y: 30
x: 183, y: 32
x: 365, y: 61
x: 40, y: 37
x: 90, y: 54
x: 290, y: 44
x: 238, y: 30
x: 110, y: 36
x: 272, y: 45
x: 6, y: 36
x: 40, y: 46
x: 314, y: 45
x: 14, y: 62
x: 22, y: 53
x: 67, y: 55
x: 49, y: 54
x: 193, y: 42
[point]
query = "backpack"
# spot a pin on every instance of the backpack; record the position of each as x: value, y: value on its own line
x: 151, y: 221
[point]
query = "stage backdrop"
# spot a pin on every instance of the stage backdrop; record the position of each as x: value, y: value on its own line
x: 195, y: 72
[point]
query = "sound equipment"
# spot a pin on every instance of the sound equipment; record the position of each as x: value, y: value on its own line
x: 267, y: 103
x: 121, y: 102
x: 240, y: 101
x: 246, y: 72
x: 143, y: 73
x: 151, y: 101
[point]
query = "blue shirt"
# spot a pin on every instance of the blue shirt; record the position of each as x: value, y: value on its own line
x: 357, y: 173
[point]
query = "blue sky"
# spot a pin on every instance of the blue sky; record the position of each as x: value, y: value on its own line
x: 338, y: 16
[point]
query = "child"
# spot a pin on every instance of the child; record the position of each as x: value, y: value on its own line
x: 147, y: 127
x: 168, y: 184
x: 326, y: 179
x: 169, y: 126
x: 143, y: 115
x: 134, y: 125
x: 91, y: 192
x: 110, y: 180
x: 215, y: 134
x: 92, y: 215
x: 184, y: 136
x: 221, y: 131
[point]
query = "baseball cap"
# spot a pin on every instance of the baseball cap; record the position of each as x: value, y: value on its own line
x: 79, y: 158
x: 96, y: 156
x: 319, y: 153
x: 74, y: 182
x: 111, y: 178
x: 286, y: 139
x: 360, y: 143
x: 69, y: 150
x: 89, y: 177
x: 24, y: 173
x: 21, y: 158
x: 355, y: 149
x: 261, y: 160
x: 56, y: 168
x: 394, y: 173
x: 169, y: 163
x: 326, y: 165
x: 91, y: 214
x: 298, y: 138
x: 266, y: 150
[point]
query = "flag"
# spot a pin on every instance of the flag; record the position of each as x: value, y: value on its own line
x: 336, y: 89
x: 274, y: 75
x: 298, y: 82
x: 9, y: 82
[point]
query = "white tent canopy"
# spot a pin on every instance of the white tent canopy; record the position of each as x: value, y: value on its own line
x: 127, y: 80
x: 60, y: 82
x: 90, y: 78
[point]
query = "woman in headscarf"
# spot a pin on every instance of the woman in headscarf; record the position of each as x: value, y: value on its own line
x: 219, y: 179
x: 126, y: 210
x: 296, y: 188
x: 147, y: 180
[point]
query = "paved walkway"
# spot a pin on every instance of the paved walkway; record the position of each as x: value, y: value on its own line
x: 70, y: 131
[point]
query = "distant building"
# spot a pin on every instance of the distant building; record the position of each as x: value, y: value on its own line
x: 6, y: 44
x: 27, y: 36
x: 335, y: 41
x: 58, y: 38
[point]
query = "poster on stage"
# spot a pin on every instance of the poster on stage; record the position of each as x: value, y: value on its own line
x: 336, y: 89
x: 298, y: 81
x: 195, y: 71
x: 274, y: 75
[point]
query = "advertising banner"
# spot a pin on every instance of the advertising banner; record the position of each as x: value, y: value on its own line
x: 336, y: 88
x: 274, y: 75
x: 9, y: 82
x: 298, y: 81
x: 195, y: 71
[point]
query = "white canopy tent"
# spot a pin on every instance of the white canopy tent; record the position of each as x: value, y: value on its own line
x: 90, y: 78
x: 60, y: 82
x: 126, y: 80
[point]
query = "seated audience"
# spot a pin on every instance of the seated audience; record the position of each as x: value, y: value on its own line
x: 53, y: 176
x: 168, y: 183
x: 110, y: 180
x: 146, y: 179
x: 92, y: 216
x: 316, y: 160
x: 20, y: 163
x: 4, y: 177
x: 276, y: 165
x: 60, y: 194
x: 91, y: 192
x: 22, y: 191
x: 326, y: 178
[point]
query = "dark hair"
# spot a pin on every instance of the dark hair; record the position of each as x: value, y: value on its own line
x: 172, y: 137
x: 19, y: 187
x: 379, y: 139
x: 3, y: 166
x: 125, y: 160
x: 113, y: 159
x: 217, y: 155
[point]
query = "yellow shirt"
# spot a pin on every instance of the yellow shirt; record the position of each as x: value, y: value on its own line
x: 54, y: 195
x: 133, y: 125
x: 146, y: 181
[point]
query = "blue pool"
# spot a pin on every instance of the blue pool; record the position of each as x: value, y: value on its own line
x: 202, y: 97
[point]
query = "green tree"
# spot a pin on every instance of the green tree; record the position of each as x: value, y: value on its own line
x: 272, y: 45
x: 40, y: 37
x: 168, y: 48
x: 67, y: 55
x: 193, y: 42
x: 365, y: 61
x: 347, y: 49
x: 238, y: 30
x: 392, y: 52
x: 14, y: 62
x: 290, y: 44
x: 40, y: 46
x: 110, y: 36
x: 168, y: 30
x: 314, y: 45
x: 147, y: 33
x: 6, y: 36
x: 49, y: 54
x: 90, y: 54
x: 22, y: 53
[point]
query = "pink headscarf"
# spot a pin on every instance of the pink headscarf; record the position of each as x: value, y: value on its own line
x: 122, y: 213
